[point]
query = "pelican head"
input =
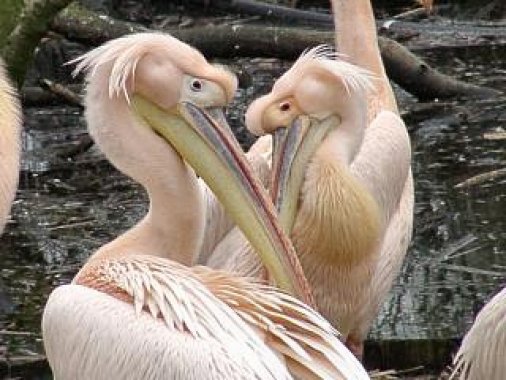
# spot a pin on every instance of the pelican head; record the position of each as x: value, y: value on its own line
x: 311, y: 102
x: 163, y: 96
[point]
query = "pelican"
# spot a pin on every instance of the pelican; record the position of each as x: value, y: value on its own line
x: 10, y: 127
x: 482, y: 353
x: 360, y: 45
x: 341, y: 174
x: 136, y: 309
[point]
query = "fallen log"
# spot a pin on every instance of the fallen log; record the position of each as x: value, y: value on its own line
x: 421, y: 80
x: 219, y: 41
x: 225, y: 41
x: 284, y: 15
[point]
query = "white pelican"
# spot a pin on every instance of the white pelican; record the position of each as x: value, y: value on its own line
x: 341, y: 174
x: 483, y: 350
x: 10, y: 151
x: 131, y: 313
x: 360, y: 45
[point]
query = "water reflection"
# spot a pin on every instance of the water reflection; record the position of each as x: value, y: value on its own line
x: 66, y: 209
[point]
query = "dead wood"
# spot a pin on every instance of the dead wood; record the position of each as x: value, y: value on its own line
x: 421, y: 80
x: 219, y: 41
x: 63, y: 92
x: 35, y: 96
x: 269, y: 12
x: 31, y: 26
x: 226, y: 41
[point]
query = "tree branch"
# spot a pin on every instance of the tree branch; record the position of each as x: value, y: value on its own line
x: 33, y: 23
x: 411, y: 73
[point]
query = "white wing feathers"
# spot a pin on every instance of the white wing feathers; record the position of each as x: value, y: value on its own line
x: 214, y: 305
x: 172, y: 292
x: 291, y: 328
x: 384, y: 161
x: 90, y: 335
x: 483, y: 351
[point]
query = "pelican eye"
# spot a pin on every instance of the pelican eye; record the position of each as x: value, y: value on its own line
x: 196, y: 85
x: 285, y: 106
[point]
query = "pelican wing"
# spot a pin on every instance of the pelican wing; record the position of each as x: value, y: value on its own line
x: 192, y: 333
x: 384, y: 160
x: 309, y: 344
x: 252, y: 325
x: 483, y: 350
x: 383, y: 166
x: 392, y: 252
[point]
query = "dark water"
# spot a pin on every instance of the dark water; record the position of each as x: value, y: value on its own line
x: 65, y: 209
x: 458, y: 255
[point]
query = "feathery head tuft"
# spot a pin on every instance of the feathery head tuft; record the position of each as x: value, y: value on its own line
x: 324, y: 59
x: 121, y: 56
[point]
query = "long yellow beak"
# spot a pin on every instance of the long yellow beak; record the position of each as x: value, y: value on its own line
x: 217, y: 157
x: 292, y: 149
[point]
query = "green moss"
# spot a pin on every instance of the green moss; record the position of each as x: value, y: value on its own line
x: 10, y: 11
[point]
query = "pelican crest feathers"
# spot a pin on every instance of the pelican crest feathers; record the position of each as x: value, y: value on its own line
x: 125, y: 53
x: 325, y: 58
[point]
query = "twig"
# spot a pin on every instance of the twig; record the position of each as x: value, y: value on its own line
x: 383, y: 375
x: 16, y: 333
x: 41, y: 97
x: 17, y: 360
x: 412, y: 14
x: 393, y: 373
x: 460, y: 254
x: 452, y: 251
x: 419, y: 13
x: 461, y: 268
x: 410, y: 370
x: 63, y: 92
x: 494, y: 136
x: 84, y: 143
x: 64, y: 269
x: 480, y: 178
x: 71, y: 225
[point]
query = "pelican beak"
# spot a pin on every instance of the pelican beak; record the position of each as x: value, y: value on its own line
x: 214, y: 154
x: 218, y: 115
x: 293, y: 147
